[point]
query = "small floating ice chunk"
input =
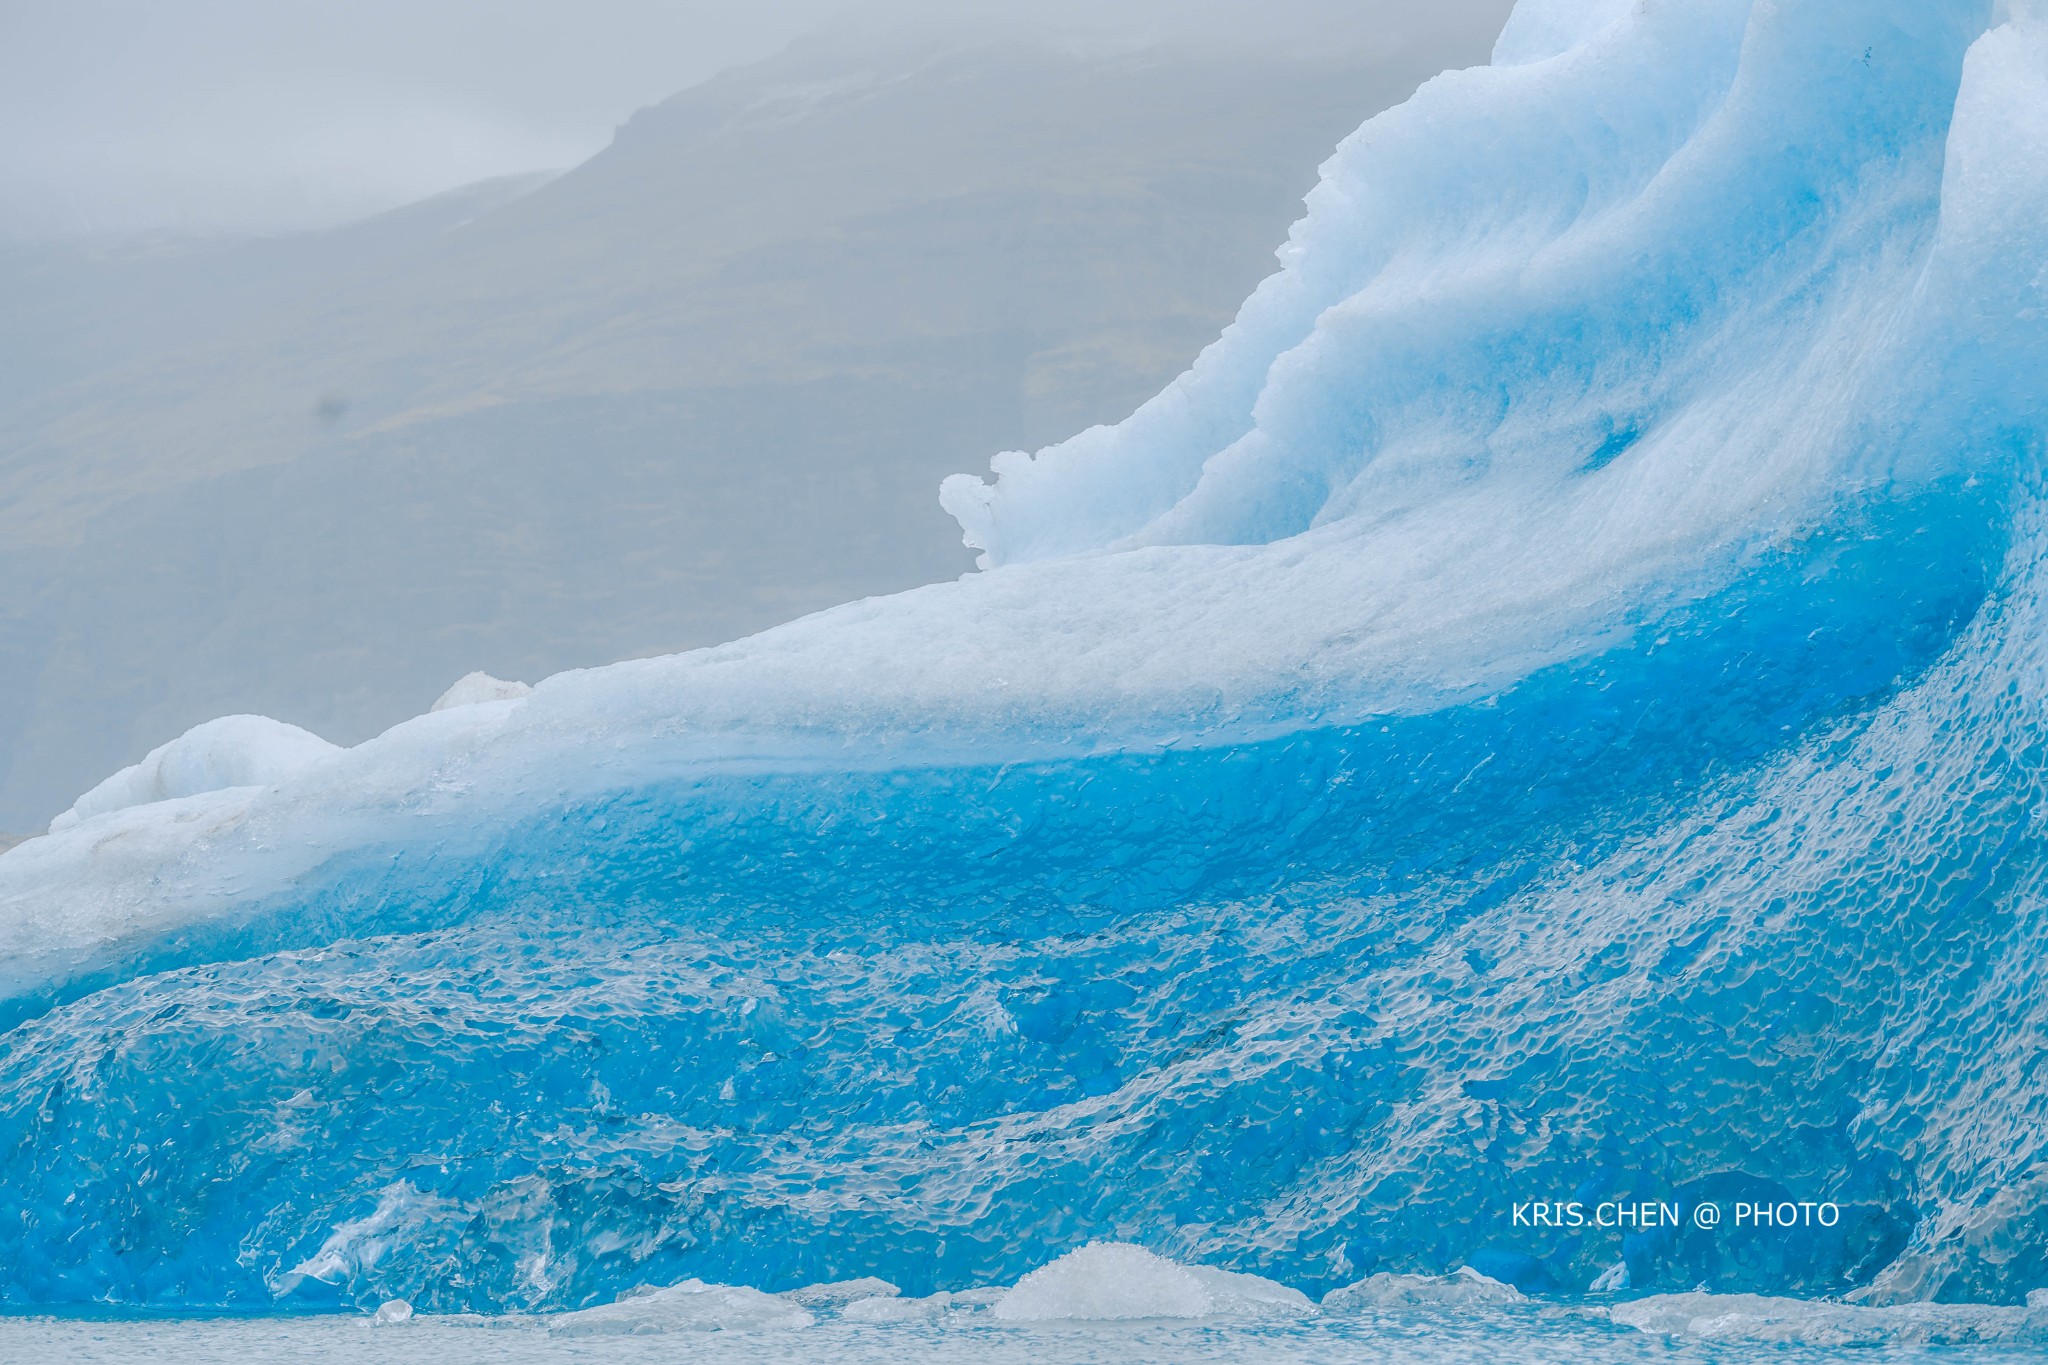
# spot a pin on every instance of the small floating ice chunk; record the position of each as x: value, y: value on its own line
x: 1111, y: 1280
x: 890, y: 1308
x: 1466, y: 1286
x: 393, y: 1311
x: 836, y: 1292
x: 977, y: 1298
x: 234, y: 751
x: 473, y: 688
x: 1757, y: 1317
x: 691, y: 1306
x: 895, y: 1309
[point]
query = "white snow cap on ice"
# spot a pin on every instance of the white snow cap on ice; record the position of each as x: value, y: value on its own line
x: 479, y: 686
x: 1109, y: 1280
x: 234, y: 751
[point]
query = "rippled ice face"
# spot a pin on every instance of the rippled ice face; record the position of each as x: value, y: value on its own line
x: 1561, y: 1334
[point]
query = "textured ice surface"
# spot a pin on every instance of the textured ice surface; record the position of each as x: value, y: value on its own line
x: 1548, y: 708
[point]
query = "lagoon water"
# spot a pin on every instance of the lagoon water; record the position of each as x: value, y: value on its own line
x: 512, y: 1342
x: 1553, y: 1336
x: 326, y: 1341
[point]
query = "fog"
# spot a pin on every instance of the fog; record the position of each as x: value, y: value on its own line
x: 124, y: 116
x: 119, y: 115
x: 778, y: 270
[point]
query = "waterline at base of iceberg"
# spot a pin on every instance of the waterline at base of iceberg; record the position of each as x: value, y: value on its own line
x: 1106, y: 1302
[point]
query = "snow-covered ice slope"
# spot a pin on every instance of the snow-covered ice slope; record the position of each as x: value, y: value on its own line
x: 1549, y: 706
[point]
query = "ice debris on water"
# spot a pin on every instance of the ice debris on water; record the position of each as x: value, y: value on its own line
x: 1756, y: 1317
x: 898, y: 1310
x: 1103, y: 1281
x: 391, y: 1312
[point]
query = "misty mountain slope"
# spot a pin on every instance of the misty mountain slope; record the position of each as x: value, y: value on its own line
x: 78, y: 308
x: 707, y: 381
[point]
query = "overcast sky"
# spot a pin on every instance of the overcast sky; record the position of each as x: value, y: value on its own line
x: 204, y: 115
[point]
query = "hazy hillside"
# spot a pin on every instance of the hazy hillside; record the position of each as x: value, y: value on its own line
x: 706, y: 381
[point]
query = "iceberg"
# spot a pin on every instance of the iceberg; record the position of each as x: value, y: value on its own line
x: 1548, y: 707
